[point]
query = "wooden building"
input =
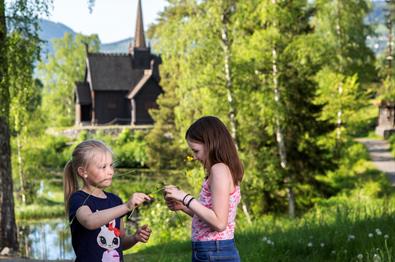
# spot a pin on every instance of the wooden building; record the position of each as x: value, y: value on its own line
x: 119, y: 89
x: 386, y: 120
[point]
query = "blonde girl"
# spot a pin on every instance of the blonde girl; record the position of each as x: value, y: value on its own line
x: 97, y: 230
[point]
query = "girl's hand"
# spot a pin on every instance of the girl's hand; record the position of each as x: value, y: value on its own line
x: 172, y: 192
x: 142, y: 234
x: 174, y: 205
x: 137, y: 199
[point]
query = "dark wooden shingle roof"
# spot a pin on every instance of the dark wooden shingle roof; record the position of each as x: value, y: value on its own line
x: 83, y: 93
x: 113, y: 72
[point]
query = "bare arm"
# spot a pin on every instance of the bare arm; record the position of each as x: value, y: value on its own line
x: 176, y: 205
x: 93, y: 220
x: 220, y: 184
x: 188, y: 211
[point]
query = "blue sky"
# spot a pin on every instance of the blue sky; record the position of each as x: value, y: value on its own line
x: 112, y: 20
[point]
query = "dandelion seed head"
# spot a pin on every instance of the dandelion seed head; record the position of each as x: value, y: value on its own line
x: 310, y: 244
x: 370, y: 235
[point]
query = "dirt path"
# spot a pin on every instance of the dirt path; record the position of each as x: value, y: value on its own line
x: 380, y: 155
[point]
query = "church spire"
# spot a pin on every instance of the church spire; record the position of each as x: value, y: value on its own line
x: 139, y: 38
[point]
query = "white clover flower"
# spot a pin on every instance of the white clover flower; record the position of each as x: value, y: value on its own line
x: 370, y: 235
x: 310, y: 244
x: 376, y: 258
x: 386, y: 236
x: 350, y: 237
x: 360, y: 256
x: 333, y: 252
x: 378, y: 232
x: 322, y: 244
x: 264, y: 239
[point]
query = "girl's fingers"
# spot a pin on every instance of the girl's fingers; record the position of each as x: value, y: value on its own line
x: 145, y: 235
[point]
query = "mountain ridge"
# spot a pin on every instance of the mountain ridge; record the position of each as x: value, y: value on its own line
x: 50, y: 30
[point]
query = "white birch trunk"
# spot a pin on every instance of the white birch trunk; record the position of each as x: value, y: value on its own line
x: 226, y: 46
x: 228, y: 74
x: 279, y: 131
x: 340, y: 86
x: 20, y: 170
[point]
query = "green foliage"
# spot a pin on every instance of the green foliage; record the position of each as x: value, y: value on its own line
x: 355, y: 175
x: 392, y: 144
x: 38, y: 211
x: 387, y: 90
x: 59, y: 74
x: 130, y: 149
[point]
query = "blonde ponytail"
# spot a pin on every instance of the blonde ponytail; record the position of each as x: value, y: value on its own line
x: 70, y: 184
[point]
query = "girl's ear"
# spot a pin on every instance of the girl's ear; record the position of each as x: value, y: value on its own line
x: 82, y: 172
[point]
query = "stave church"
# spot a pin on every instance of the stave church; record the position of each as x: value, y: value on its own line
x: 119, y: 89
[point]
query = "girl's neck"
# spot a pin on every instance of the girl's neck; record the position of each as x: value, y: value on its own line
x: 94, y: 191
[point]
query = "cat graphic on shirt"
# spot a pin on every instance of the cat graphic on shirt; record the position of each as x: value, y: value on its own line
x: 108, y: 238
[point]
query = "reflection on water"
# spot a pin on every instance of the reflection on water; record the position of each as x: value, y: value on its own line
x: 49, y: 239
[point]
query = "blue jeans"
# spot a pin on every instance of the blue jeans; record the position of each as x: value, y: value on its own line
x: 216, y: 250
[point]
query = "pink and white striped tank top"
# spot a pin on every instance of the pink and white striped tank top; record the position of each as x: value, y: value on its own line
x: 201, y: 231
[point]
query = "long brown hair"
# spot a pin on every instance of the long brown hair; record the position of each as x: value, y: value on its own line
x: 81, y: 157
x: 218, y: 145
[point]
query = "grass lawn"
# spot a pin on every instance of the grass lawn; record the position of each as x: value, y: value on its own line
x: 362, y: 231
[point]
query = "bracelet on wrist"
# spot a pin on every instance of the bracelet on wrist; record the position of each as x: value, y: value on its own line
x: 189, y: 202
x: 184, y: 198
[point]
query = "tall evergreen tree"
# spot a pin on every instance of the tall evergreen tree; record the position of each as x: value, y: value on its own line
x: 166, y: 146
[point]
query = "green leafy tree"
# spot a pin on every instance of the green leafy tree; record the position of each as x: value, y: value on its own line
x: 278, y: 47
x: 348, y: 62
x: 21, y: 17
x: 25, y: 95
x: 59, y: 74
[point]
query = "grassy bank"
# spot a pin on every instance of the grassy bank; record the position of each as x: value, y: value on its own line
x: 333, y: 231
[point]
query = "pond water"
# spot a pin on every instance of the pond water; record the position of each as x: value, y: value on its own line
x: 49, y: 239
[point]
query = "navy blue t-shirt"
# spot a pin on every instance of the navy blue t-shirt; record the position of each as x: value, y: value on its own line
x: 102, y: 244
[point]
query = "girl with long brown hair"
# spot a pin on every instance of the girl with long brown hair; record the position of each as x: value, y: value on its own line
x: 213, y: 214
